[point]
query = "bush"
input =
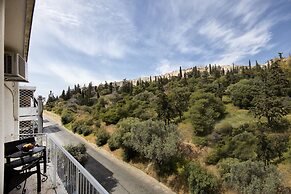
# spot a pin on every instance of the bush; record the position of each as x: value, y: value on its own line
x: 272, y: 146
x: 101, y: 137
x: 251, y: 177
x: 87, y: 131
x: 75, y: 126
x: 80, y: 129
x: 78, y: 152
x: 224, y: 165
x: 243, y: 92
x: 98, y: 123
x: 200, y: 181
x: 114, y: 142
x: 128, y: 154
x: 241, y: 144
x: 224, y: 129
x: 67, y: 117
x: 111, y: 116
x: 89, y: 122
x: 201, y: 141
x: 205, y: 110
x: 153, y: 140
x: 212, y: 158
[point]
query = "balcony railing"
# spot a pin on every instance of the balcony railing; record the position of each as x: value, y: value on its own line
x: 75, y: 178
x: 28, y: 111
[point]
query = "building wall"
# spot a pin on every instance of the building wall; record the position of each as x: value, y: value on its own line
x: 11, y: 111
x: 2, y: 22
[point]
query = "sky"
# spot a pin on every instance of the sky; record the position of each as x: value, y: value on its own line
x: 77, y: 41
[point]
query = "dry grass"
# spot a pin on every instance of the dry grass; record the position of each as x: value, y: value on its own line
x: 56, y: 118
x: 285, y: 170
x: 90, y: 138
x: 185, y: 128
x: 116, y: 153
x: 110, y: 128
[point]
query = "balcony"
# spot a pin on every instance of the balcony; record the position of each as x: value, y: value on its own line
x: 65, y: 173
x: 28, y: 113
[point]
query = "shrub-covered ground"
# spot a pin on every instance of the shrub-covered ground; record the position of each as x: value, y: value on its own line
x: 211, y: 131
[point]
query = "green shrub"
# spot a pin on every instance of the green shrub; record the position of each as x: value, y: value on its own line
x: 75, y: 125
x: 224, y: 129
x: 74, y: 128
x: 205, y: 110
x: 243, y: 146
x: 272, y: 146
x: 89, y: 122
x: 78, y: 152
x: 153, y: 140
x: 224, y: 165
x: 101, y: 137
x: 251, y: 177
x: 114, y: 142
x: 67, y: 117
x: 243, y: 92
x: 200, y: 181
x: 201, y: 141
x: 87, y: 131
x: 128, y: 154
x: 212, y: 158
x: 98, y: 123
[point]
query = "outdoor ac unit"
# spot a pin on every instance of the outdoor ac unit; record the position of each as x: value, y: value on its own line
x: 15, y: 67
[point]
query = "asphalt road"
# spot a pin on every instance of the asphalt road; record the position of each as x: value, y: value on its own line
x: 114, y: 175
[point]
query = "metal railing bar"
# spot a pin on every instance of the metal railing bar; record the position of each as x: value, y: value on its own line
x: 85, y: 173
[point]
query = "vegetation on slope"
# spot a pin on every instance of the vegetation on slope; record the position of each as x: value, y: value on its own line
x: 238, y: 120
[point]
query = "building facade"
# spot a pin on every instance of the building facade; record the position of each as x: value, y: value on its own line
x: 15, y: 27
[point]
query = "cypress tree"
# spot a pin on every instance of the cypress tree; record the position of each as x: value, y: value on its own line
x: 63, y: 95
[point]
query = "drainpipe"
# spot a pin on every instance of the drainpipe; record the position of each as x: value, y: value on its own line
x: 2, y: 26
x: 40, y: 117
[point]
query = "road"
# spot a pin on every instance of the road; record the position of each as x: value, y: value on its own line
x: 114, y: 175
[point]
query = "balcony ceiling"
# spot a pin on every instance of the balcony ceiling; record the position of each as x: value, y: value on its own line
x: 18, y: 20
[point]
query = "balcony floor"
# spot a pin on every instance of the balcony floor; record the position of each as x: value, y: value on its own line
x: 46, y: 187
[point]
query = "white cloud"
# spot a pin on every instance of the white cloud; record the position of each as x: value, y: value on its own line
x: 73, y: 74
x: 92, y: 27
x: 73, y: 37
x: 167, y: 66
x: 214, y: 31
x: 164, y: 66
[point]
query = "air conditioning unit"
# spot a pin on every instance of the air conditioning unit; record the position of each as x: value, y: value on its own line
x: 15, y: 67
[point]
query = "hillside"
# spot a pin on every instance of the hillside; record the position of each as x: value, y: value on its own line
x: 209, y: 129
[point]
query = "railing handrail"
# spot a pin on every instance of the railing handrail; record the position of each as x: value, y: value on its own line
x: 82, y: 170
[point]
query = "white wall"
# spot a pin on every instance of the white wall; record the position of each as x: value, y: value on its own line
x: 11, y: 105
x: 2, y: 23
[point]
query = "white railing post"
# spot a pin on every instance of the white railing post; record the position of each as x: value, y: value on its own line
x: 54, y: 161
x: 47, y: 146
x: 77, y: 180
x: 81, y: 175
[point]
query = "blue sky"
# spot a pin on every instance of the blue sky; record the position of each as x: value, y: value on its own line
x: 77, y: 41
